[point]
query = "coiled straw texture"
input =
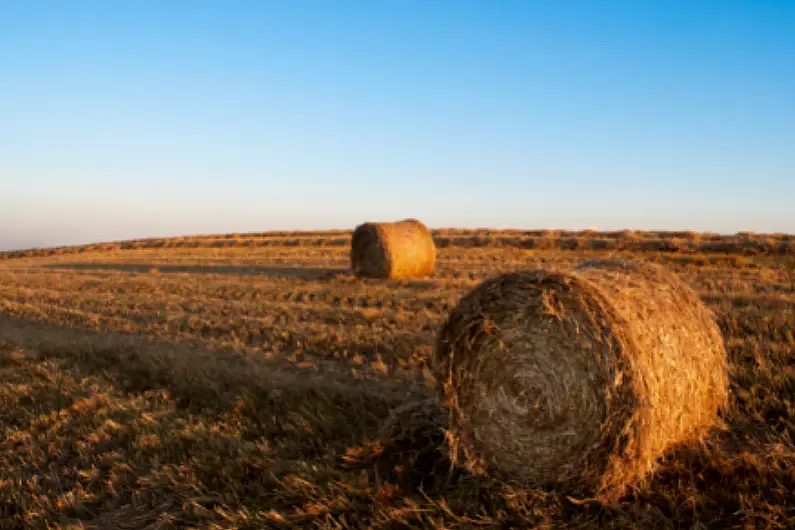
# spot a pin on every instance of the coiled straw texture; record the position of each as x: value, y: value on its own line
x: 579, y: 380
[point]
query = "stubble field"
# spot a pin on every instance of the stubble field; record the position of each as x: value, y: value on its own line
x: 249, y: 381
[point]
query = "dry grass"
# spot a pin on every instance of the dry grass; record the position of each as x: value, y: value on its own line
x: 266, y: 387
x: 742, y: 243
x: 579, y: 379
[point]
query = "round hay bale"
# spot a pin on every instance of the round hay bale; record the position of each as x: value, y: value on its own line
x: 579, y: 380
x: 402, y: 249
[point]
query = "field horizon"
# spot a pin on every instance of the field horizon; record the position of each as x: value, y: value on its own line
x: 592, y: 238
x: 251, y: 381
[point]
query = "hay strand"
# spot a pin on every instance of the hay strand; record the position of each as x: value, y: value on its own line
x: 402, y: 249
x: 579, y: 379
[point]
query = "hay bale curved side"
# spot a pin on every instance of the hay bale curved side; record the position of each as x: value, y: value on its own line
x: 581, y: 379
x: 402, y: 249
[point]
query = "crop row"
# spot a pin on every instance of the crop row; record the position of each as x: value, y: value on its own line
x: 687, y: 242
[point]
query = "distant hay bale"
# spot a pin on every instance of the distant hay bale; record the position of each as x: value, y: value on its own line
x: 579, y: 380
x: 402, y: 249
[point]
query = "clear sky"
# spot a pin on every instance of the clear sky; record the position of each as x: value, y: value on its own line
x: 162, y: 117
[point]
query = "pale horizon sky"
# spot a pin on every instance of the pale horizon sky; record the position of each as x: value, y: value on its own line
x: 164, y: 118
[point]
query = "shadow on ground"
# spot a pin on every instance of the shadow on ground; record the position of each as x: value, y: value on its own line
x: 309, y: 409
x: 310, y: 273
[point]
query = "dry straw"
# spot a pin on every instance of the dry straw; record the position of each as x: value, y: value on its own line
x: 403, y: 249
x: 579, y: 380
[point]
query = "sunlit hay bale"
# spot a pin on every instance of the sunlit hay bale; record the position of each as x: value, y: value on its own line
x: 579, y: 380
x: 403, y: 249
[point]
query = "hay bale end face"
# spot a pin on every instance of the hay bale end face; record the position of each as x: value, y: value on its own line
x: 402, y: 249
x: 579, y: 380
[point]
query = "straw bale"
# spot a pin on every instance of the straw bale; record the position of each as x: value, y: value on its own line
x: 402, y: 249
x: 579, y: 380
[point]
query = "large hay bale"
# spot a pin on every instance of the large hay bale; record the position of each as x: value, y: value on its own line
x: 402, y: 249
x: 579, y: 380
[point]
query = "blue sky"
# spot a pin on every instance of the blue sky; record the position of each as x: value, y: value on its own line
x: 151, y: 118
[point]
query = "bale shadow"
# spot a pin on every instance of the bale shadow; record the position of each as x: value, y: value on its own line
x: 309, y: 273
x: 392, y: 428
x: 411, y: 449
x: 319, y: 408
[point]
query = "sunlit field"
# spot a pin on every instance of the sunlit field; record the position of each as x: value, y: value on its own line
x: 251, y: 381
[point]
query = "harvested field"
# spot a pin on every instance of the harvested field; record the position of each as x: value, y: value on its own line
x: 254, y: 382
